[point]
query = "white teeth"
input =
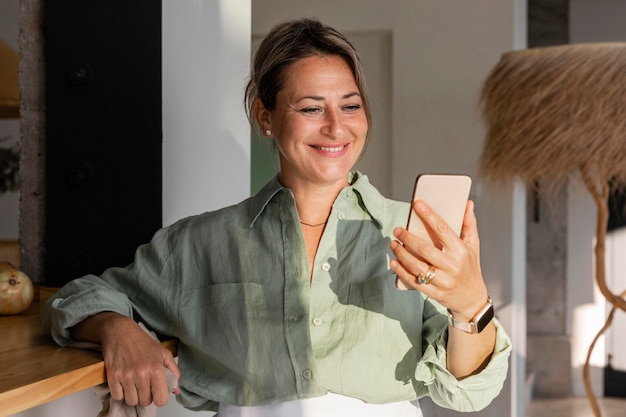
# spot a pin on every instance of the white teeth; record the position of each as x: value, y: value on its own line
x: 330, y: 149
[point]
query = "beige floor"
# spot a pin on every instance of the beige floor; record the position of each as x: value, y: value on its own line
x: 575, y: 407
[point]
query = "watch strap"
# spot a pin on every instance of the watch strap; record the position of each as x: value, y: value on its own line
x: 480, y: 320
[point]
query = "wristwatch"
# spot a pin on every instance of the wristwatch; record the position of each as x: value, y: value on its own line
x: 478, y: 322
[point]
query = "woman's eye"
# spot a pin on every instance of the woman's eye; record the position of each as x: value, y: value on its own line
x: 352, y: 107
x: 311, y: 110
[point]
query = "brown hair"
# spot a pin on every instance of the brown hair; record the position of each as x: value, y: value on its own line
x: 287, y: 43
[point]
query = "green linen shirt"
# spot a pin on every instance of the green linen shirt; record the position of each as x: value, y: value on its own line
x: 233, y: 286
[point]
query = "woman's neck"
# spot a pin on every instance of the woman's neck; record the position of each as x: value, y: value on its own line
x: 314, y: 202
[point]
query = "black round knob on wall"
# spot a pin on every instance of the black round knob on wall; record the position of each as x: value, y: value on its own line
x: 79, y: 177
x: 79, y: 77
x: 77, y: 263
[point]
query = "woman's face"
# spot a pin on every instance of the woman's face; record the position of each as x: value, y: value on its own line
x: 319, y: 123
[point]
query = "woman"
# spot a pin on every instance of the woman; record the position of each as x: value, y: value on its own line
x: 286, y: 304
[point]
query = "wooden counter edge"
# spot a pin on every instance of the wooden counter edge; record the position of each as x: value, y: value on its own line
x: 46, y: 390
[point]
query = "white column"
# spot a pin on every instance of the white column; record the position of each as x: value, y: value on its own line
x: 206, y: 137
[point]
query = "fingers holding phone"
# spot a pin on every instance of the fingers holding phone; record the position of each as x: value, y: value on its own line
x: 442, y: 202
x: 420, y: 259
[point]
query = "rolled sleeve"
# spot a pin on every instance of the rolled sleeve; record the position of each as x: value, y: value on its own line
x: 78, y: 300
x: 469, y: 394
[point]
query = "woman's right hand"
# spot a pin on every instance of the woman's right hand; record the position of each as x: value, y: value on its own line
x: 135, y: 363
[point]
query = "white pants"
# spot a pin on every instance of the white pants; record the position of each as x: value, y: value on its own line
x: 330, y: 405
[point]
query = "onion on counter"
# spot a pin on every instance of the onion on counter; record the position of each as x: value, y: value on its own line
x: 16, y: 290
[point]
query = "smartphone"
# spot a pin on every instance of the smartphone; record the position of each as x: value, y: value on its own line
x: 447, y: 195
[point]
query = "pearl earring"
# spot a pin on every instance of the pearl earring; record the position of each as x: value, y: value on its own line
x: 268, y: 132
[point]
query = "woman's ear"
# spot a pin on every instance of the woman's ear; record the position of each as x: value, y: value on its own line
x: 261, y: 115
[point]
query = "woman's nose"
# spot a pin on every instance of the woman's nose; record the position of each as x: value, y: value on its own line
x: 333, y: 124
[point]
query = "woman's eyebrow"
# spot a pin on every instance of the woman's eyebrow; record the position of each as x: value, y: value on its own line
x: 354, y: 93
x: 319, y: 98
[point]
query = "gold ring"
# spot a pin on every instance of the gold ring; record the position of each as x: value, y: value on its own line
x: 430, y: 274
x: 427, y: 277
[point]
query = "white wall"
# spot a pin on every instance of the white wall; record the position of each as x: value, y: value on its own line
x: 593, y: 21
x: 441, y: 53
x: 206, y: 136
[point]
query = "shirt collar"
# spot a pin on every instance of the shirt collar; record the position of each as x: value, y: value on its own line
x: 262, y: 198
x: 370, y: 200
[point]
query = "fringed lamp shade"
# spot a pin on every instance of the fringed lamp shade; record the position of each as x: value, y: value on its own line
x: 551, y: 112
x: 554, y: 112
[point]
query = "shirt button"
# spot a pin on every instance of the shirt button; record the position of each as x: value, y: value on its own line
x: 326, y: 267
x: 341, y: 216
x: 307, y: 374
x: 317, y: 321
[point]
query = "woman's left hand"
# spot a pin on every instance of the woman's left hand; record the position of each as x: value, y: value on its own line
x: 458, y: 282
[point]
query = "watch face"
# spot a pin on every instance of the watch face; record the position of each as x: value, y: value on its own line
x: 485, y: 319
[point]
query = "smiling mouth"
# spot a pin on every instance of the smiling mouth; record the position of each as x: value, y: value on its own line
x: 330, y: 148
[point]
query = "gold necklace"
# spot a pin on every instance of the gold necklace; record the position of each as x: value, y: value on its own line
x: 314, y: 225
